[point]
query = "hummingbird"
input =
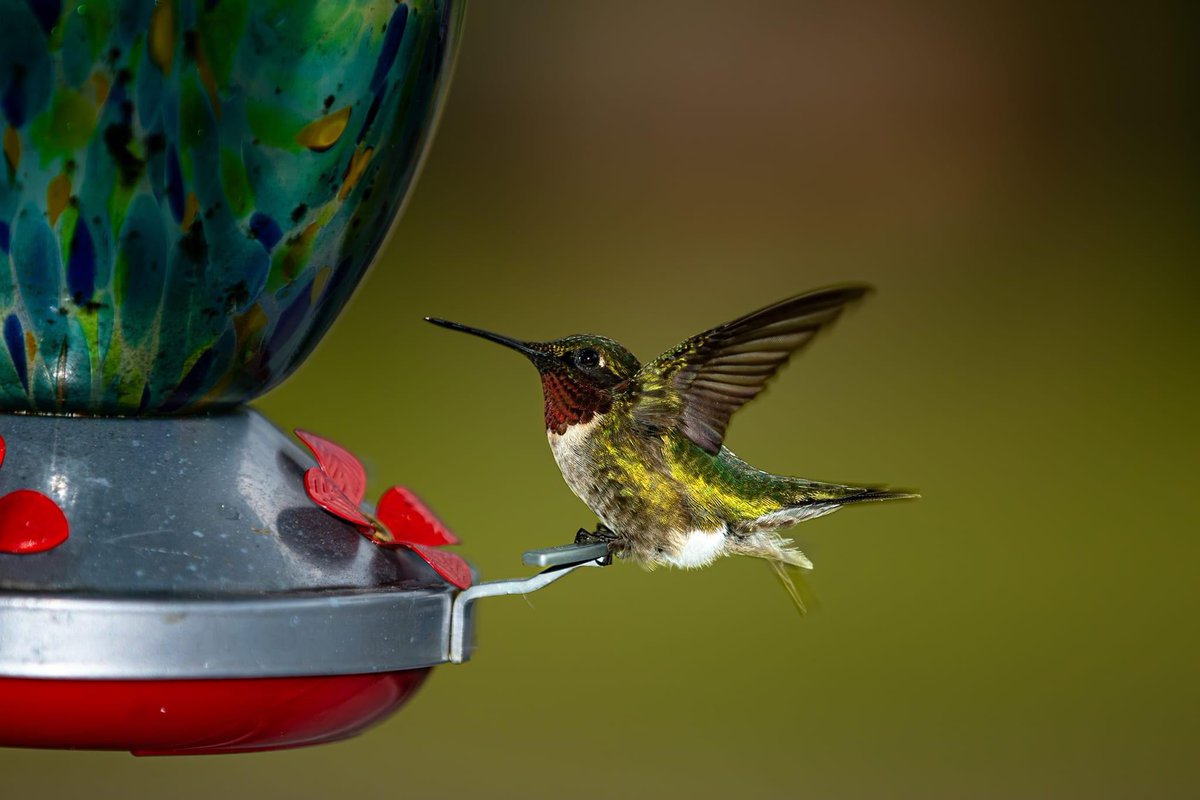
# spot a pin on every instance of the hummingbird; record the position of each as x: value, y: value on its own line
x: 643, y: 445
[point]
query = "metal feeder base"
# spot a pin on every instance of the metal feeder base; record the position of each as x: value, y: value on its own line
x: 202, y: 603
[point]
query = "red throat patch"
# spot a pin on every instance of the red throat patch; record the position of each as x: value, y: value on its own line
x: 569, y: 402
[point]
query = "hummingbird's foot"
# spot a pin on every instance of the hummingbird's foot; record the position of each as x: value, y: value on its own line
x: 601, y: 535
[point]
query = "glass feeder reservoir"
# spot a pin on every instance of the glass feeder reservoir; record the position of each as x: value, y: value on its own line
x: 190, y: 191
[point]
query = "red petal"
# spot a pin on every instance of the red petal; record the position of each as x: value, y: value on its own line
x: 340, y: 465
x: 321, y: 489
x: 30, y: 522
x: 410, y: 520
x: 449, y: 565
x: 3, y: 450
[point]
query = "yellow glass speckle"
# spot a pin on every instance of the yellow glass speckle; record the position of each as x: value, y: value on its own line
x: 358, y: 163
x: 57, y: 195
x: 206, y: 76
x: 318, y: 284
x: 101, y: 86
x: 162, y: 35
x: 324, y: 133
x: 12, y: 147
x: 190, y: 206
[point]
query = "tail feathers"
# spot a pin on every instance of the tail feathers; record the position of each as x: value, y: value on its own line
x: 791, y: 576
x: 828, y: 499
x: 818, y: 503
x: 787, y: 562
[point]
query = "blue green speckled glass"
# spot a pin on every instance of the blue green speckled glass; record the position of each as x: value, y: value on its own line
x: 191, y: 189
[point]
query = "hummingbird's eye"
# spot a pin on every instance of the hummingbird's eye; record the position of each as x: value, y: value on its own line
x: 587, y: 358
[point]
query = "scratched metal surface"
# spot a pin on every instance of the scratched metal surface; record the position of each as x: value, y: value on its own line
x: 189, y: 507
x: 194, y: 551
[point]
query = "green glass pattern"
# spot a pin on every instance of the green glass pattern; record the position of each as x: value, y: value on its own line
x: 191, y: 189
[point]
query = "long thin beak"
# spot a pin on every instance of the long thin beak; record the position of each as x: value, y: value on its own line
x: 521, y: 347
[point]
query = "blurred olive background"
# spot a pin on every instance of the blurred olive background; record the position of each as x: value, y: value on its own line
x: 1019, y: 182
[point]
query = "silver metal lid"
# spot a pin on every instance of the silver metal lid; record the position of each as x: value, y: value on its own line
x: 195, y: 552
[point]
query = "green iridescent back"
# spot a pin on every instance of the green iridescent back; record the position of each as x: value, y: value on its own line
x: 191, y: 189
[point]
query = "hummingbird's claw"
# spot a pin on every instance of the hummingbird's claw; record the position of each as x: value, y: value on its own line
x: 600, y: 535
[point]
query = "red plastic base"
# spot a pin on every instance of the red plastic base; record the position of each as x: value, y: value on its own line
x: 193, y: 717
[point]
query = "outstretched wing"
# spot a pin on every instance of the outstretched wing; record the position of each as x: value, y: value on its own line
x: 697, y: 386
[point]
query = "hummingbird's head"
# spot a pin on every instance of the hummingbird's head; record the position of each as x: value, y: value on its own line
x: 580, y: 374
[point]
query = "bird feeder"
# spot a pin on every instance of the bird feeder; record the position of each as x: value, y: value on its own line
x: 190, y: 193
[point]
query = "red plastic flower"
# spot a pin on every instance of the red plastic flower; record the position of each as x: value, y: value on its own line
x: 339, y: 484
x: 30, y: 522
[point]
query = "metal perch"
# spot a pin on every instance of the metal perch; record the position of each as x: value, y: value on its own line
x: 558, y: 561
